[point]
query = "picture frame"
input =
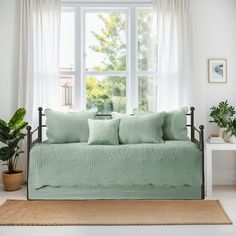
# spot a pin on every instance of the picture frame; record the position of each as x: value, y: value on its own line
x: 217, y: 70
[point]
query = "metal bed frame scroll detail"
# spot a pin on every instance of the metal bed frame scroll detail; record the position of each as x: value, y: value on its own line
x: 193, y: 130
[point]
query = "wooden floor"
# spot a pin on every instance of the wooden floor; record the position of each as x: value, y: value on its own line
x: 226, y: 194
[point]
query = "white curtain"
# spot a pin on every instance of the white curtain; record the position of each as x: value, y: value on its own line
x: 174, y: 53
x: 39, y: 56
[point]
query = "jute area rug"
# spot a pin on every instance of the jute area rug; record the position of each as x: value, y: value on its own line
x: 112, y: 212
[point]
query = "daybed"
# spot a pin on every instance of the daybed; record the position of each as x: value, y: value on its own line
x: 169, y: 170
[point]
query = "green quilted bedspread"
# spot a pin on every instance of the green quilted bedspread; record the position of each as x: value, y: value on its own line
x: 173, y: 163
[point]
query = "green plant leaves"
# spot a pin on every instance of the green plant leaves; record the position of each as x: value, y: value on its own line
x: 14, y: 142
x: 17, y: 118
x: 4, y: 132
x: 222, y: 114
x: 10, y: 135
x: 6, y: 153
x: 21, y: 125
x: 3, y: 123
x: 232, y: 127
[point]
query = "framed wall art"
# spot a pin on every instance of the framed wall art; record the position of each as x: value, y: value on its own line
x: 217, y: 70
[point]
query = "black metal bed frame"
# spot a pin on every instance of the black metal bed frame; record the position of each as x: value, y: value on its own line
x: 193, y: 130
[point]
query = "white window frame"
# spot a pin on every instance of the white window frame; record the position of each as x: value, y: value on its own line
x: 132, y: 73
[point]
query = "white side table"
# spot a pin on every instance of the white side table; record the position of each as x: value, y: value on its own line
x: 208, y: 158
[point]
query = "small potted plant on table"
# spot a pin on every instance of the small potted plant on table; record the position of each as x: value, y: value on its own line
x: 222, y: 116
x: 10, y: 136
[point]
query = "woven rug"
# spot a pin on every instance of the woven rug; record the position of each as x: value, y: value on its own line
x: 112, y: 212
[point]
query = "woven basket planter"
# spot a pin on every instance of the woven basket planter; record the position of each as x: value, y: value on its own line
x: 12, y: 182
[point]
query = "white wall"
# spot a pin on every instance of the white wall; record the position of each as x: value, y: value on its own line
x: 9, y: 37
x: 214, y: 35
x: 214, y: 31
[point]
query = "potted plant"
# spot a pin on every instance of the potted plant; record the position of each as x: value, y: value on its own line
x: 232, y: 131
x: 10, y: 136
x: 222, y: 115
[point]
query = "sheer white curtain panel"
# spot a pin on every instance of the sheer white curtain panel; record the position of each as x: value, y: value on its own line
x: 174, y: 53
x: 39, y: 56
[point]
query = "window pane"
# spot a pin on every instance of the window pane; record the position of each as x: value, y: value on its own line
x: 147, y: 41
x: 147, y: 93
x: 107, y: 93
x: 67, y: 41
x: 106, y: 41
x: 67, y: 92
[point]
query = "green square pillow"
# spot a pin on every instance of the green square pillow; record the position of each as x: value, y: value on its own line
x: 68, y: 127
x: 141, y: 129
x: 103, y: 132
x: 174, y: 127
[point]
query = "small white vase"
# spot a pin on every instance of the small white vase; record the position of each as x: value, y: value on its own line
x: 224, y: 135
x: 232, y: 139
x: 222, y: 132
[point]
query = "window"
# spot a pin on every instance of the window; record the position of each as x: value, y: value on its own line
x: 105, y: 59
x: 67, y: 92
x: 108, y: 58
x: 67, y: 60
x: 147, y: 60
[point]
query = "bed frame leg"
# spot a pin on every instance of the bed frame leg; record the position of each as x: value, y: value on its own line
x: 29, y: 145
x: 201, y: 127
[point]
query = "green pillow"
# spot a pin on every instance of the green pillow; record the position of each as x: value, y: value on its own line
x: 141, y: 129
x: 174, y: 127
x: 68, y: 127
x: 103, y: 132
